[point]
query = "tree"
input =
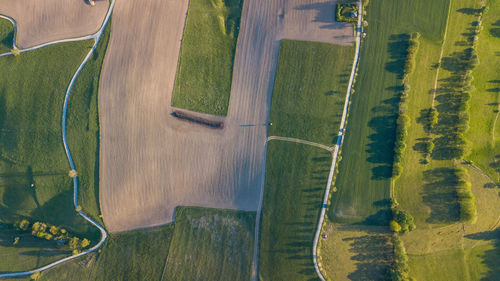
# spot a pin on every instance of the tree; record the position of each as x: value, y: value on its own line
x: 35, y: 276
x: 24, y: 224
x: 85, y: 242
x: 74, y: 243
x: 54, y: 230
x: 395, y: 227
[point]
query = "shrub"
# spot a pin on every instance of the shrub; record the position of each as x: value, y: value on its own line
x: 394, y: 225
x: 23, y: 225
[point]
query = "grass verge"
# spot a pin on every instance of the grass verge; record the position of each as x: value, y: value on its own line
x: 204, y: 73
x: 211, y: 244
x: 83, y: 129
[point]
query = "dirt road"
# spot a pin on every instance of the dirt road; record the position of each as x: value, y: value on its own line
x: 152, y: 162
x: 49, y: 20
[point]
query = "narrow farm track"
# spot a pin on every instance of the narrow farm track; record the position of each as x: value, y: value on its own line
x: 322, y: 146
x: 336, y: 149
x: 96, y: 36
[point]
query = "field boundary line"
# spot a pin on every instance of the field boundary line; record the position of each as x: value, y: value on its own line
x: 340, y: 138
x: 319, y: 145
x: 96, y: 36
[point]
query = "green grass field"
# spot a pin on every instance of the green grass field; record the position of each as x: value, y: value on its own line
x: 211, y: 244
x: 363, y: 181
x: 31, y: 152
x: 132, y: 255
x: 204, y: 73
x: 296, y: 177
x: 6, y: 35
x: 308, y: 96
x: 83, y: 129
x: 484, y: 132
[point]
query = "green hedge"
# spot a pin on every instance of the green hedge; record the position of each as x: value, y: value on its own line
x: 343, y: 7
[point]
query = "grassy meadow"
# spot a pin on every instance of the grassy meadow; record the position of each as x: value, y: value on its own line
x: 211, y: 244
x: 6, y: 35
x: 296, y: 177
x: 132, y: 255
x: 441, y: 248
x: 31, y: 151
x: 363, y: 181
x: 204, y: 73
x: 484, y: 132
x: 308, y: 96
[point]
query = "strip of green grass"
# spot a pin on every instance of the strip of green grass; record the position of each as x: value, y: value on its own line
x: 484, y: 132
x: 363, y: 181
x: 309, y: 90
x: 296, y: 177
x: 32, y: 92
x: 133, y: 255
x: 211, y: 244
x: 6, y: 35
x: 83, y: 128
x: 204, y: 73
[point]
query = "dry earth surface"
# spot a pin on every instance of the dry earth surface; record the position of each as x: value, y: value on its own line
x: 41, y: 21
x: 151, y: 162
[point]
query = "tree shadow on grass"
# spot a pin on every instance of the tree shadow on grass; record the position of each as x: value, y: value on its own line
x: 440, y: 195
x: 381, y: 145
x: 372, y: 253
x: 398, y: 46
x: 490, y: 257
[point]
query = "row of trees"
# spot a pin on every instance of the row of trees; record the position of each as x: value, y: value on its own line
x: 51, y: 232
x: 399, y: 269
x: 403, y: 119
x: 466, y: 200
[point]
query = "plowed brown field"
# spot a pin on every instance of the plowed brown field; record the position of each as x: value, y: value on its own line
x: 152, y: 162
x: 41, y: 21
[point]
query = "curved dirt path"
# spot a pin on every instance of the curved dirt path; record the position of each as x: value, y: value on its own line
x: 359, y: 30
x: 96, y: 36
x: 322, y: 146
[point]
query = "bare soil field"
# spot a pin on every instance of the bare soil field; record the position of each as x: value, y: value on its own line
x: 48, y: 20
x: 150, y: 161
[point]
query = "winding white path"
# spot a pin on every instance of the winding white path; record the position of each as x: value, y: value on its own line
x: 340, y: 139
x: 96, y: 36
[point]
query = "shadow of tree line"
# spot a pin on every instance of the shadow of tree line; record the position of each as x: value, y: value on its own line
x: 490, y: 257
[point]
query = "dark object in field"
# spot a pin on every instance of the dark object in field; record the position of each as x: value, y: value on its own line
x: 202, y: 121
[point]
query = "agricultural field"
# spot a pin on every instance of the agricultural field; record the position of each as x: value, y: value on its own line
x: 307, y: 103
x: 296, y: 177
x: 44, y: 21
x: 365, y: 171
x: 132, y: 255
x: 6, y: 35
x: 205, y: 70
x: 34, y: 181
x: 308, y: 97
x: 211, y: 244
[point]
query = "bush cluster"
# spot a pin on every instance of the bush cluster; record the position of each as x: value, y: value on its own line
x: 51, y: 232
x: 402, y: 221
x: 399, y: 269
x: 403, y: 119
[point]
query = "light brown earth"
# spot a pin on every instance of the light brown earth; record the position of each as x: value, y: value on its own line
x: 151, y: 162
x: 41, y: 21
